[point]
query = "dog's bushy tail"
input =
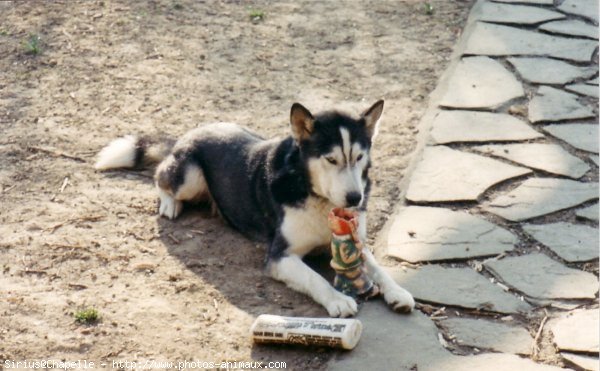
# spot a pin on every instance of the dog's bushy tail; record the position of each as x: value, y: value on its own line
x: 132, y: 152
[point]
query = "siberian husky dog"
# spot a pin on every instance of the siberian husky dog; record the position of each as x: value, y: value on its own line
x: 279, y: 191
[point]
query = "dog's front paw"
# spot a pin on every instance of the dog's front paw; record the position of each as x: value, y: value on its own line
x: 399, y: 299
x: 170, y: 207
x: 341, y: 305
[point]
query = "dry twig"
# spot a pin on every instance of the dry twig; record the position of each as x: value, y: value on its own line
x: 89, y: 218
x: 175, y: 240
x: 55, y: 153
x: 64, y: 185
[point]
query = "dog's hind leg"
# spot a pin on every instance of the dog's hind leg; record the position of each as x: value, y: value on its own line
x: 178, y: 181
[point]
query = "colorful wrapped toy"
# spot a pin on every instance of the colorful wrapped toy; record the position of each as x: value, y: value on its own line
x: 347, y: 256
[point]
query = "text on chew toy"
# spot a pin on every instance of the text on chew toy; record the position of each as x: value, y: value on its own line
x: 269, y: 337
x: 336, y: 327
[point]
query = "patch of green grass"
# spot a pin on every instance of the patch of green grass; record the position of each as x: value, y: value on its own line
x: 86, y: 316
x: 3, y: 32
x: 143, y: 14
x: 177, y: 6
x: 256, y: 15
x: 32, y: 45
x: 428, y: 8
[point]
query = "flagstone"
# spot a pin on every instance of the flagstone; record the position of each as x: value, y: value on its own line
x: 472, y: 126
x: 585, y: 362
x: 583, y: 8
x: 572, y: 242
x: 538, y: 2
x: 445, y: 174
x: 540, y: 196
x: 495, y: 40
x: 571, y: 27
x: 415, y: 344
x: 585, y: 89
x: 549, y: 71
x: 480, y: 82
x: 576, y: 331
x: 487, y: 361
x: 539, y: 276
x: 551, y: 104
x: 516, y: 14
x: 551, y: 158
x: 484, y: 334
x: 462, y: 287
x: 580, y: 136
x: 590, y: 212
x: 432, y: 233
x: 414, y: 336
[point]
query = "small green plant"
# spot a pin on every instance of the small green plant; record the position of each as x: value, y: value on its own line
x: 256, y: 15
x: 86, y: 316
x: 428, y: 8
x: 177, y: 6
x: 3, y: 32
x: 32, y: 45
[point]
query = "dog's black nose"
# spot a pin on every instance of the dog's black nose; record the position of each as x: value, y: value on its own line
x: 353, y: 198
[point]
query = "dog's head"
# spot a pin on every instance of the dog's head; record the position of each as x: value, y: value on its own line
x: 336, y: 147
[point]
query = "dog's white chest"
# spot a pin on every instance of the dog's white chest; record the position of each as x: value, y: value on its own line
x: 306, y: 227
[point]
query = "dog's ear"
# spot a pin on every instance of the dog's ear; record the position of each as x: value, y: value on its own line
x: 371, y: 117
x: 302, y: 122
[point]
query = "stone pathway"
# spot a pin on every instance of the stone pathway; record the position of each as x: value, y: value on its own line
x: 497, y: 235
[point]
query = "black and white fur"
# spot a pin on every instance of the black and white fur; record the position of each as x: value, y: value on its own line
x: 278, y: 191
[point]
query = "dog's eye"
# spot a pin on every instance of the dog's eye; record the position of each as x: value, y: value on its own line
x: 359, y: 157
x: 331, y: 160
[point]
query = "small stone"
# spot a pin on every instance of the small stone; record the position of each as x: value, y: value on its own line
x: 549, y: 71
x: 472, y: 126
x: 571, y: 27
x: 590, y: 212
x: 585, y: 362
x: 541, y: 196
x: 580, y: 136
x: 538, y: 276
x: 583, y: 89
x: 550, y: 104
x: 480, y: 82
x: 516, y: 14
x: 445, y: 174
x: 144, y: 266
x: 551, y: 158
x: 432, y: 233
x: 583, y: 8
x: 576, y: 331
x: 496, y: 336
x: 491, y: 39
x: 572, y: 242
x: 462, y: 287
x: 518, y: 110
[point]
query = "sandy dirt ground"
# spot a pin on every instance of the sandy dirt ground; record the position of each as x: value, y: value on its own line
x: 73, y: 238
